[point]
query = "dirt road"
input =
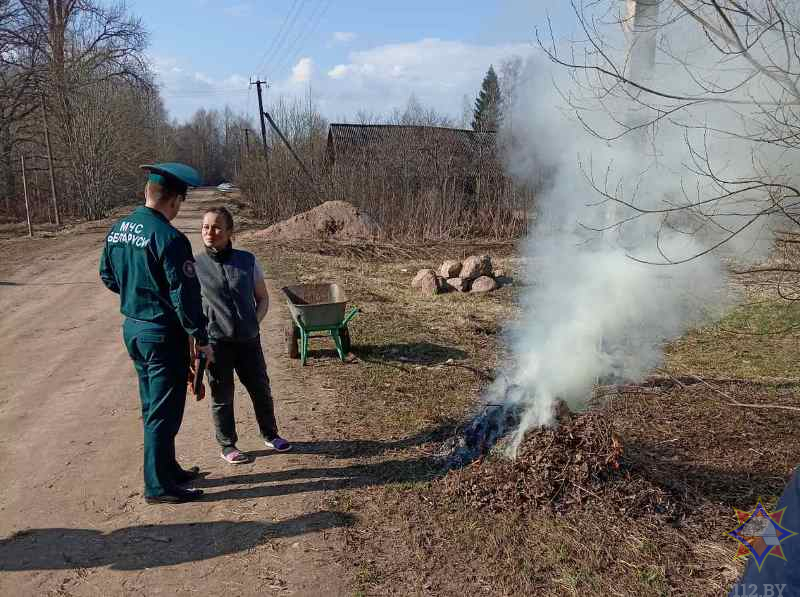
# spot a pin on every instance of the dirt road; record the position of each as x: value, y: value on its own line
x: 72, y: 517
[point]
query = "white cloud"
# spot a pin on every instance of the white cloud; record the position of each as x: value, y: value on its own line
x: 429, y: 61
x: 338, y: 71
x: 164, y: 64
x: 344, y: 37
x: 176, y: 78
x: 185, y: 89
x: 302, y: 71
x: 438, y: 72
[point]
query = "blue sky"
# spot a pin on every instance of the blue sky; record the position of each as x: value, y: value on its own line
x: 349, y: 54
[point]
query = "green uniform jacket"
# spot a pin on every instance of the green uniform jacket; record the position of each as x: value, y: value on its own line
x: 149, y: 263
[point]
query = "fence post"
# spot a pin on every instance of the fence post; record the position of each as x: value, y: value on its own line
x: 50, y: 163
x: 25, y: 192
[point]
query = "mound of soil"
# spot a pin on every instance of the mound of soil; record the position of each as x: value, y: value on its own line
x: 333, y: 220
x: 580, y: 460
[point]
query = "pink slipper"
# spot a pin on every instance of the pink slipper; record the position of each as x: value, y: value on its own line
x: 234, y: 456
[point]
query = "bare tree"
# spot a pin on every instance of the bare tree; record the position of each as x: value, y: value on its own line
x: 510, y: 80
x: 414, y: 174
x: 287, y: 186
x: 93, y: 57
x: 721, y: 77
x: 416, y: 114
x: 18, y: 77
x: 465, y: 118
x: 80, y: 64
x: 368, y: 117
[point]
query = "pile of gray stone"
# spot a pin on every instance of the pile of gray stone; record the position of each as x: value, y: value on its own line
x: 473, y: 274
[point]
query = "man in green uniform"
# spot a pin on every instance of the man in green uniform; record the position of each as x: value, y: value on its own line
x: 149, y: 263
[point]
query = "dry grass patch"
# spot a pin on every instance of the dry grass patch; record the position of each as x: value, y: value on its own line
x: 408, y: 347
x: 755, y: 340
x: 682, y: 451
x: 420, y: 365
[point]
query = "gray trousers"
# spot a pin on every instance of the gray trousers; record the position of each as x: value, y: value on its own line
x: 247, y: 360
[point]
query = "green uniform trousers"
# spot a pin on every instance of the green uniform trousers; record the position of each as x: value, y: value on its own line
x: 161, y: 357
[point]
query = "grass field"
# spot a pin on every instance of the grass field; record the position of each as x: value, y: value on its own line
x: 418, y: 368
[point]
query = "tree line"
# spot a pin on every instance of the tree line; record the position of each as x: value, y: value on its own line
x: 78, y: 99
x: 81, y: 104
x: 420, y: 190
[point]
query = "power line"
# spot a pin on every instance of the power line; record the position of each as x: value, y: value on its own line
x: 203, y: 93
x: 258, y: 83
x: 280, y: 54
x: 278, y: 34
x: 281, y: 35
x: 313, y: 23
x: 249, y: 99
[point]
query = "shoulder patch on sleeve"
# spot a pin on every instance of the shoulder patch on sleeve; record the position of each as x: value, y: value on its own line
x: 188, y: 268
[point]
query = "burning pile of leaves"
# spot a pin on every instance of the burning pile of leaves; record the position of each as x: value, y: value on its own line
x: 581, y: 459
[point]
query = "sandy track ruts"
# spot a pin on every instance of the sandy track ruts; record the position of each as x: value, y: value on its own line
x: 72, y: 520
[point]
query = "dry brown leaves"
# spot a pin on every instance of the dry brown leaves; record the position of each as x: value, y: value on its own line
x: 556, y: 469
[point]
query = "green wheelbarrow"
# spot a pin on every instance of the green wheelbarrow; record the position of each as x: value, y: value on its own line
x: 317, y: 310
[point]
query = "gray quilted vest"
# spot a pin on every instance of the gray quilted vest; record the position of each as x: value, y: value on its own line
x: 229, y: 296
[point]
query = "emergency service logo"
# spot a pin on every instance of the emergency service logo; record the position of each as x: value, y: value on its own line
x: 760, y: 533
x: 188, y: 268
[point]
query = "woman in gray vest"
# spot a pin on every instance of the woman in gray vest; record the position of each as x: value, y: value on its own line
x: 235, y: 301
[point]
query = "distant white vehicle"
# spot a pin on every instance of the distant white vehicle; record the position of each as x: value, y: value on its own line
x: 225, y: 187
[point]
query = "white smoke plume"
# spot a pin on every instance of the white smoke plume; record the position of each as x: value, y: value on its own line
x: 595, y: 310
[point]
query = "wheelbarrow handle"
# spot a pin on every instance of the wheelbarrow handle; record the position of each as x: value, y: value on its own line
x: 353, y: 312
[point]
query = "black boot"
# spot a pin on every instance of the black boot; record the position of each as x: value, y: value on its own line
x: 184, y: 476
x: 176, y: 496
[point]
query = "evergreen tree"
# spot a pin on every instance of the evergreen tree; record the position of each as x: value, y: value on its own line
x: 486, y: 115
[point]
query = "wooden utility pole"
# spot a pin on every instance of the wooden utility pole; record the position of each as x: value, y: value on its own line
x: 37, y: 195
x: 289, y: 147
x: 642, y: 25
x: 25, y: 192
x: 258, y: 83
x: 50, y: 163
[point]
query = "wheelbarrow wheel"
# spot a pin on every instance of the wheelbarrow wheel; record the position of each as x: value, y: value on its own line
x: 292, y: 334
x: 347, y: 343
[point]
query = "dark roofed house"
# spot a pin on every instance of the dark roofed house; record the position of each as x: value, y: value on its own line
x: 449, y: 181
x: 344, y: 139
x: 353, y: 143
